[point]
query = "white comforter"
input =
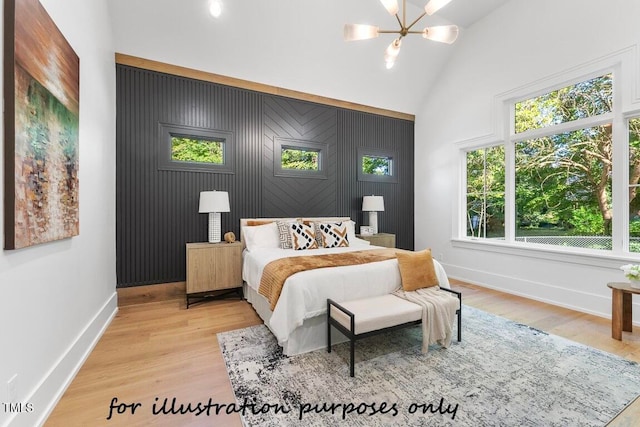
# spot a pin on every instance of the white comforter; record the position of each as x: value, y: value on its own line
x: 304, y: 295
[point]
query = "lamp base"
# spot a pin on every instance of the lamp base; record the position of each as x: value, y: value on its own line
x: 373, y: 221
x: 214, y: 227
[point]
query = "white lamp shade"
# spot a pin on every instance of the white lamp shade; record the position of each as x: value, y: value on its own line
x: 373, y: 203
x: 391, y: 6
x: 443, y: 33
x: 392, y: 51
x: 214, y: 201
x: 359, y: 32
x: 435, y: 5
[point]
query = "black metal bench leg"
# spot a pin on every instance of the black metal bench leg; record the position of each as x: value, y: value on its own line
x: 353, y: 342
x: 460, y: 319
x: 328, y: 337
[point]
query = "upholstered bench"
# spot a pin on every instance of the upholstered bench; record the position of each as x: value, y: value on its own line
x: 371, y: 316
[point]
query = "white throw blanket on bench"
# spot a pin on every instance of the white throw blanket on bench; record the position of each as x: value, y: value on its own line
x: 438, y: 313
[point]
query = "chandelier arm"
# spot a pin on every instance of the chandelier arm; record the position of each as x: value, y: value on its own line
x: 399, y: 21
x: 389, y: 32
x: 416, y: 21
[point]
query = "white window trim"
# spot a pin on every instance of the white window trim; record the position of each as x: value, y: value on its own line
x: 626, y: 105
x: 582, y: 256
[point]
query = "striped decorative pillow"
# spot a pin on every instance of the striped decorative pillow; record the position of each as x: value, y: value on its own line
x: 316, y: 229
x: 283, y: 234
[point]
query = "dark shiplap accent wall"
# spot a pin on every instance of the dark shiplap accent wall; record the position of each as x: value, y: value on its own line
x: 307, y: 122
x: 157, y: 210
x: 356, y: 129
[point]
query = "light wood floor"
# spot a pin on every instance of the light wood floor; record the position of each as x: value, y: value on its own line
x: 161, y: 350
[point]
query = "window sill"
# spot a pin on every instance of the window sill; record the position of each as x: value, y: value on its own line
x: 591, y: 257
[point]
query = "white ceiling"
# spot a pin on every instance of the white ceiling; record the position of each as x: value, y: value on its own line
x: 464, y: 13
x: 296, y: 44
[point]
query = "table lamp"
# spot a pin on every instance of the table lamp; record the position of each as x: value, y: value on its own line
x: 214, y: 202
x: 373, y: 205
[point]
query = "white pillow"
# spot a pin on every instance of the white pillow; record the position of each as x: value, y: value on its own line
x: 351, y: 230
x: 261, y: 236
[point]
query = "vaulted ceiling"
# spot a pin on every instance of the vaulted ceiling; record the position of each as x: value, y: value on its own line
x: 295, y: 44
x: 464, y: 13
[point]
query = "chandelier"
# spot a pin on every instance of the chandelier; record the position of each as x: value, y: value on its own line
x: 442, y: 33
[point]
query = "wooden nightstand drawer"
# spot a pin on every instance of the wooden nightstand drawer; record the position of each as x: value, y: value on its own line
x: 386, y: 240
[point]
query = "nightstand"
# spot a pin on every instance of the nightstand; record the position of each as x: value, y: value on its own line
x: 213, y: 270
x: 386, y: 240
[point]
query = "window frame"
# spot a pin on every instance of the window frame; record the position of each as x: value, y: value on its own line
x: 504, y: 134
x: 625, y: 229
x: 166, y: 162
x: 465, y: 193
x: 363, y: 152
x: 322, y: 148
x: 514, y: 138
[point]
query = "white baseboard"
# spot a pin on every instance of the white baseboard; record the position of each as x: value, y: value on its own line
x: 584, y: 302
x: 50, y: 390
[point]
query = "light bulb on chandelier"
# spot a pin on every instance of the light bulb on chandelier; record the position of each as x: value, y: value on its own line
x: 392, y: 52
x: 443, y: 33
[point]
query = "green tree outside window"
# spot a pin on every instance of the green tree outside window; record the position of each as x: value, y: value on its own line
x: 197, y: 150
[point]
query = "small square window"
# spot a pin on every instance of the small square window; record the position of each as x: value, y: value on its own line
x: 186, y: 148
x: 300, y: 159
x: 377, y: 165
x: 197, y: 150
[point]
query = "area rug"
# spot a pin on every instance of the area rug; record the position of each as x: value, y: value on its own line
x: 501, y: 374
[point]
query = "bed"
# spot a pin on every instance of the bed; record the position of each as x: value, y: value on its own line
x: 298, y: 320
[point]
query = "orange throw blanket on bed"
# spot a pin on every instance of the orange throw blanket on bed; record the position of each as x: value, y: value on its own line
x: 277, y: 272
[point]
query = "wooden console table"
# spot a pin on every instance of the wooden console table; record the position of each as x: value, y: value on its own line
x: 621, y: 311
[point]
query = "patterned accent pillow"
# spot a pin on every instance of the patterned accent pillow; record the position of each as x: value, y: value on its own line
x: 284, y: 236
x: 302, y: 236
x: 316, y: 229
x: 334, y: 235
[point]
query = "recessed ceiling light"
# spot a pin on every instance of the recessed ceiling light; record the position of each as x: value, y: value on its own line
x: 215, y: 8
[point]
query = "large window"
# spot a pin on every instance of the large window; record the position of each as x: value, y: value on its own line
x: 634, y: 179
x: 560, y: 182
x: 485, y: 192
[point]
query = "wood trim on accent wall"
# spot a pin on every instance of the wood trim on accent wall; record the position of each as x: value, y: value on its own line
x: 176, y: 70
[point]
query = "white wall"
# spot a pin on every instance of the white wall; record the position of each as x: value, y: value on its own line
x: 294, y: 44
x: 56, y: 298
x: 518, y: 44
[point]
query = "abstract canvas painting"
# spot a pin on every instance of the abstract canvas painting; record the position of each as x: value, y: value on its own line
x: 42, y: 94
